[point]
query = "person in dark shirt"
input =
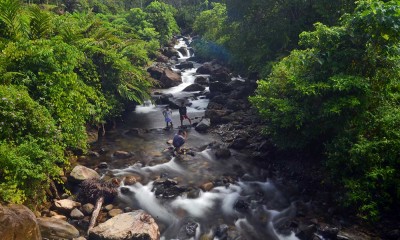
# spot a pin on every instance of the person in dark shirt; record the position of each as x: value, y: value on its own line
x: 183, y: 114
x: 179, y: 140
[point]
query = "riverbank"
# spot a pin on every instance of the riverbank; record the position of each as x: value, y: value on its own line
x: 319, y: 214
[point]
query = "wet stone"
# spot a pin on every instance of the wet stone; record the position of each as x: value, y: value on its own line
x: 76, y: 214
x: 88, y: 208
x: 102, y: 165
x: 221, y: 231
x: 191, y: 229
x: 167, y: 192
x: 241, y: 205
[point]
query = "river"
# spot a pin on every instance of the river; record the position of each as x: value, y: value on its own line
x: 247, y: 208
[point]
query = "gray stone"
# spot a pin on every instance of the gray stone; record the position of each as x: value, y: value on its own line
x: 203, y: 125
x: 222, y: 153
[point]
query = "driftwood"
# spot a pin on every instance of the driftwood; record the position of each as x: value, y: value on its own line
x: 97, y: 192
x: 95, y: 214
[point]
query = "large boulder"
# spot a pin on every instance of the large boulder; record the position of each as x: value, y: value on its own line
x: 170, y: 78
x: 17, y: 222
x: 183, y: 51
x: 194, y: 87
x: 155, y: 72
x: 135, y: 225
x: 81, y: 173
x: 217, y: 116
x: 219, y: 87
x: 184, y: 65
x: 221, y: 76
x: 170, y: 52
x: 201, y: 80
x: 203, y: 125
x: 56, y: 229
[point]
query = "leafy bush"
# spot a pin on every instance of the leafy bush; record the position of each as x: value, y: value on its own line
x: 31, y: 151
x: 342, y: 94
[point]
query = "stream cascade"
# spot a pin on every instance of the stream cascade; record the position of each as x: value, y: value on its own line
x: 218, y: 198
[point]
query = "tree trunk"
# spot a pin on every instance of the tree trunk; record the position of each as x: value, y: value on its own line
x: 95, y: 213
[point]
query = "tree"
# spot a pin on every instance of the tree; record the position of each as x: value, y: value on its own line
x: 341, y: 93
x: 161, y: 16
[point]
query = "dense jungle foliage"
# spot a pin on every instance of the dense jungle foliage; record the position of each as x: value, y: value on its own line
x: 328, y: 80
x: 63, y: 68
x: 330, y: 85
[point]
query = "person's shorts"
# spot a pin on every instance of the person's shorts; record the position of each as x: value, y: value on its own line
x: 184, y: 117
x: 178, y: 142
x: 168, y: 120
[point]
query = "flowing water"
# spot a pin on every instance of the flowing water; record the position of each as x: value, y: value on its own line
x: 212, y: 214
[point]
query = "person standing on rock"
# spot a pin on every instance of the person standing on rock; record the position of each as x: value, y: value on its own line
x: 183, y: 114
x: 179, y: 140
x: 168, y: 117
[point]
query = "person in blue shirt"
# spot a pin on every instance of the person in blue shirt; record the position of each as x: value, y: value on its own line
x: 179, y: 140
x: 168, y: 117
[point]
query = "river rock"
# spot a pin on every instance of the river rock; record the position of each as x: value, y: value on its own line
x: 220, y: 99
x: 162, y: 58
x: 65, y: 205
x: 306, y: 232
x: 220, y: 76
x: 170, y: 78
x: 194, y: 87
x: 167, y: 188
x: 81, y: 173
x: 17, y: 222
x: 170, y: 52
x: 203, y: 125
x: 130, y: 180
x: 215, y: 106
x: 234, y: 105
x: 219, y: 87
x: 216, y: 116
x: 183, y: 51
x: 222, y: 153
x: 56, y: 229
x: 239, y: 143
x: 108, y: 207
x: 135, y: 132
x: 201, y: 80
x: 184, y: 65
x: 155, y: 72
x: 207, y: 186
x: 115, y: 212
x: 60, y: 217
x: 122, y: 154
x: 135, y: 225
x: 76, y: 214
x: 88, y: 208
